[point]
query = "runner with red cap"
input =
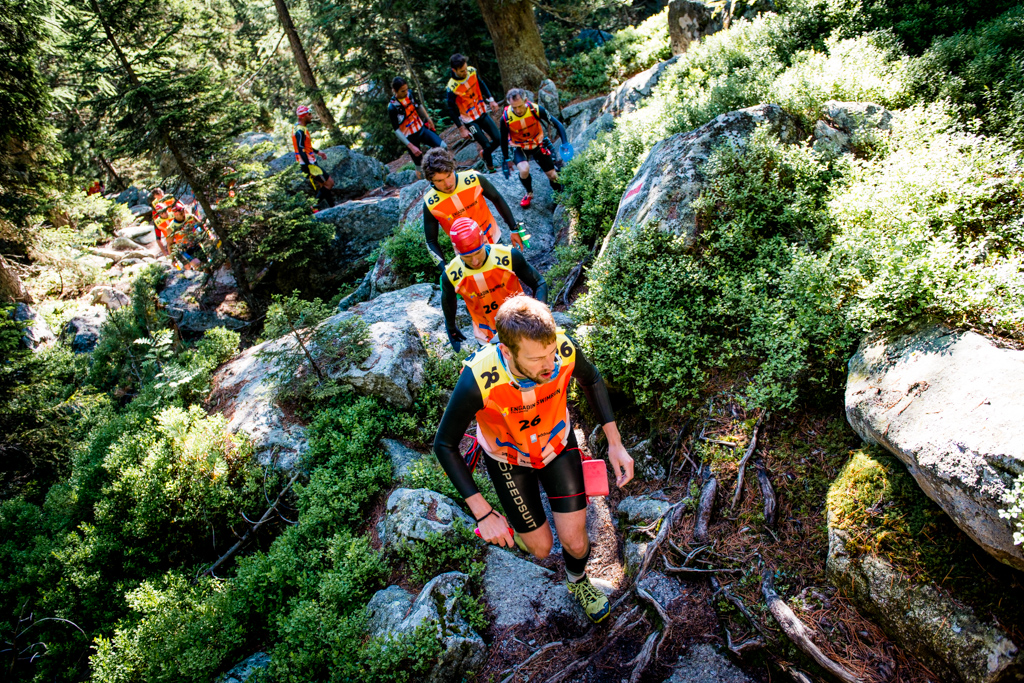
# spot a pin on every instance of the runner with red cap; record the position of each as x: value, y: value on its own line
x: 484, y: 275
x: 306, y: 154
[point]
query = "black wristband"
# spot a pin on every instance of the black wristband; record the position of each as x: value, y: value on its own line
x: 485, y: 516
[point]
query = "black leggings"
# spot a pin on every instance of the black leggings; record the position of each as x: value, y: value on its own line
x: 478, y: 128
x: 519, y: 492
x: 424, y: 138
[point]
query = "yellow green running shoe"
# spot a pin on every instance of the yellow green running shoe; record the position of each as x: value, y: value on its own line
x: 591, y: 598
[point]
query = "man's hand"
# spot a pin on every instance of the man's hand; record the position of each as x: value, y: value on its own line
x: 517, y: 241
x: 413, y: 149
x: 456, y: 338
x: 494, y: 529
x: 463, y: 132
x: 321, y: 155
x: 620, y: 460
x: 430, y: 125
x: 494, y: 106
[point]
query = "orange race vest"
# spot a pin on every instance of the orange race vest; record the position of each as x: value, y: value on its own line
x: 412, y: 123
x: 466, y: 200
x: 524, y: 131
x: 522, y: 427
x: 307, y: 145
x: 468, y: 98
x: 485, y: 289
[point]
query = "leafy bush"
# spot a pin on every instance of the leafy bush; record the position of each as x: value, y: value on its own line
x: 406, y: 251
x: 441, y: 553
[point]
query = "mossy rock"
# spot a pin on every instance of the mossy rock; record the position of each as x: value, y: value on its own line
x: 903, y: 562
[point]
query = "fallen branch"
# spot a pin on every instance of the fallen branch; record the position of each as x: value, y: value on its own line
x: 767, y: 492
x: 691, y: 570
x: 729, y: 444
x: 741, y: 648
x: 641, y: 661
x: 705, y: 508
x: 743, y: 466
x: 650, y: 599
x: 727, y: 592
x: 797, y: 632
x: 655, y: 545
x: 263, y: 520
x: 529, y: 659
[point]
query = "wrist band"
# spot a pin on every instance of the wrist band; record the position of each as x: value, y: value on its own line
x: 485, y: 516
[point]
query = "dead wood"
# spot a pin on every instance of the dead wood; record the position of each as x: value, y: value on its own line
x: 663, y: 532
x: 529, y: 659
x: 727, y: 592
x: 617, y: 630
x: 767, y: 492
x: 692, y: 570
x: 797, y: 632
x: 743, y: 466
x: 705, y: 507
x: 262, y: 520
x: 643, y: 659
x: 739, y: 649
x: 570, y: 282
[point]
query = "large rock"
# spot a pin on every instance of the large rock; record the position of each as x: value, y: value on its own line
x: 943, y: 633
x: 547, y: 97
x: 413, y: 514
x: 123, y: 245
x: 949, y: 406
x: 537, y: 218
x: 437, y: 607
x: 280, y: 163
x: 253, y: 139
x: 246, y: 669
x: 627, y: 97
x: 387, y: 609
x: 141, y: 210
x: 410, y: 201
x: 579, y: 115
x: 139, y: 234
x: 642, y: 510
x: 667, y: 590
x: 112, y: 254
x: 37, y: 334
x: 83, y: 330
x: 403, y: 458
x: 670, y: 179
x: 401, y: 178
x: 181, y: 297
x: 549, y: 601
x: 354, y: 174
x: 846, y: 126
x: 359, y: 226
x: 702, y: 663
x: 109, y: 297
x: 129, y: 196
x: 589, y: 133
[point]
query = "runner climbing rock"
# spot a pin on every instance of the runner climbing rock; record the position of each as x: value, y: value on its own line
x: 162, y: 203
x: 522, y: 128
x: 306, y: 156
x: 484, y: 275
x: 466, y: 95
x: 517, y: 390
x: 183, y: 233
x: 456, y: 194
x: 411, y: 123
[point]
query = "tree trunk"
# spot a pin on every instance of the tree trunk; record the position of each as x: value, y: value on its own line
x: 305, y: 72
x: 517, y: 43
x: 185, y: 167
x: 11, y: 286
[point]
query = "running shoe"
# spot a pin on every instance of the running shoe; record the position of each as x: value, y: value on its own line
x: 525, y: 201
x: 593, y: 601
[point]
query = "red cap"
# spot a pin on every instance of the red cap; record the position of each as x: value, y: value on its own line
x: 466, y: 236
x: 302, y: 110
x: 178, y: 206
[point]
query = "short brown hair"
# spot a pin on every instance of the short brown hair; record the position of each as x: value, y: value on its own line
x: 437, y: 160
x: 523, y: 317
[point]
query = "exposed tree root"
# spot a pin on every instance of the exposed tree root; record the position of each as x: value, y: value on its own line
x: 725, y: 590
x: 798, y: 633
x: 705, y: 507
x: 529, y: 659
x: 743, y: 466
x: 663, y: 532
x: 767, y: 492
x: 643, y: 659
x: 617, y: 630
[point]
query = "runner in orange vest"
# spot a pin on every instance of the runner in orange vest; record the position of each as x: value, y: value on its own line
x: 467, y: 93
x: 516, y: 390
x: 522, y: 127
x: 484, y: 275
x: 412, y: 124
x: 161, y: 203
x: 306, y: 156
x: 457, y: 194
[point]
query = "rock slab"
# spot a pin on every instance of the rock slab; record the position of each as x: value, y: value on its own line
x: 703, y: 664
x: 533, y: 598
x: 948, y: 405
x: 413, y: 514
x: 83, y: 330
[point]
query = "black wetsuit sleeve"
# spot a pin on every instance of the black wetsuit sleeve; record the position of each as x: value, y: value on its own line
x: 393, y: 116
x: 593, y: 387
x: 430, y: 228
x: 491, y: 193
x: 300, y: 139
x: 449, y: 302
x: 504, y: 137
x: 462, y: 408
x: 542, y: 114
x: 453, y: 109
x: 529, y: 275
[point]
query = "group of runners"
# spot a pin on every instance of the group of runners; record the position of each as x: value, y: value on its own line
x: 181, y: 232
x: 515, y: 385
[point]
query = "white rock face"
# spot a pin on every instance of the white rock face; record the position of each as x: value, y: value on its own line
x: 548, y: 602
x: 413, y: 514
x: 627, y: 97
x: 109, y: 297
x: 949, y: 406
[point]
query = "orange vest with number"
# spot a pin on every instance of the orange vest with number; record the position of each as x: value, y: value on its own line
x: 412, y: 123
x: 306, y: 147
x: 524, y: 131
x: 467, y: 199
x: 468, y: 98
x: 526, y: 427
x: 485, y: 289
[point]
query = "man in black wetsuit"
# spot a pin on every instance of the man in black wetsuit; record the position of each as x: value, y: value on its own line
x: 522, y: 127
x: 412, y: 124
x: 517, y: 390
x: 457, y: 194
x: 467, y: 93
x: 484, y: 275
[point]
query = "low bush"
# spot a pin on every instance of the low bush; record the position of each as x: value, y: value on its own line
x: 407, y: 254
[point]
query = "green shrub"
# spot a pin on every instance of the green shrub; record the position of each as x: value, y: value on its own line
x: 410, y: 260
x: 441, y: 553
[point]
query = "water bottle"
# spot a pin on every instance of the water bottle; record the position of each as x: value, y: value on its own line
x: 566, y: 152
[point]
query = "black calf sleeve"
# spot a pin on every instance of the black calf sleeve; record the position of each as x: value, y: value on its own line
x: 527, y: 183
x: 576, y: 565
